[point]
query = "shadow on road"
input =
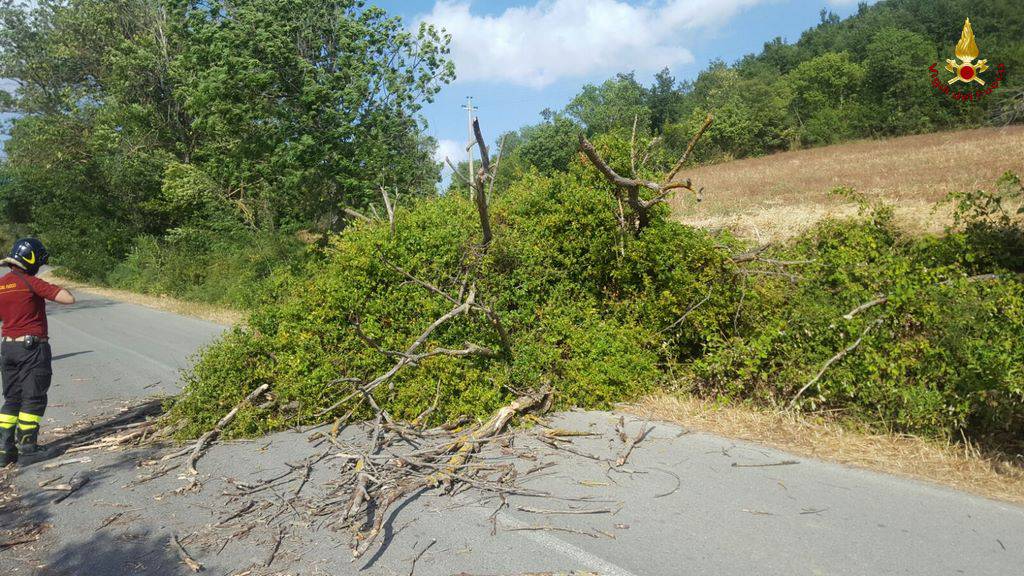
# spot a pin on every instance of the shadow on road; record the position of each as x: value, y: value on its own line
x: 111, y: 548
x: 69, y: 355
x: 139, y: 552
x: 97, y: 429
x: 86, y: 304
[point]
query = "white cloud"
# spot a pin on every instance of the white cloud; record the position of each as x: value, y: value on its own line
x: 450, y: 149
x: 554, y: 39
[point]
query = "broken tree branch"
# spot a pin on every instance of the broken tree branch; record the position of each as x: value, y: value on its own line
x: 443, y: 474
x: 750, y: 255
x: 480, y: 195
x: 631, y: 186
x: 839, y: 356
x: 200, y: 445
x: 689, y: 147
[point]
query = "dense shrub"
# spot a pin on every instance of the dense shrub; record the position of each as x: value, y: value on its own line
x: 604, y: 315
x: 231, y: 270
x: 555, y: 272
x: 941, y: 354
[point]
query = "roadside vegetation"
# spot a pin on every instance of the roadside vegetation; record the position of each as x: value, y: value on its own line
x: 186, y: 147
x: 852, y: 318
x: 300, y: 187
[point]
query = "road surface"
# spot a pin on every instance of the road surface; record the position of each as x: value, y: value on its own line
x: 687, y: 503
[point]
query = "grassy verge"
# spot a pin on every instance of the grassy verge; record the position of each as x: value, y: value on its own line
x: 209, y: 312
x: 962, y: 465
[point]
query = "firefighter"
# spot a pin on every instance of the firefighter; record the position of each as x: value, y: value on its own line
x: 25, y: 349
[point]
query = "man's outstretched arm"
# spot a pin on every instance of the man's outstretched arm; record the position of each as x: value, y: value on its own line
x: 64, y: 297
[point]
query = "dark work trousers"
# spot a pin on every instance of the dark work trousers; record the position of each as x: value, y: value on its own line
x: 26, y: 377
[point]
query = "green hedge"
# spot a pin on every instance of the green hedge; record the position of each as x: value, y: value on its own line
x: 604, y: 316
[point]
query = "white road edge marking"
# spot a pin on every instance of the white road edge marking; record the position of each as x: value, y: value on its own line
x: 596, y: 563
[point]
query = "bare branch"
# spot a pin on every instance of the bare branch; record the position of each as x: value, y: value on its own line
x: 839, y: 356
x: 202, y: 443
x: 357, y: 215
x: 455, y: 171
x: 497, y: 165
x: 689, y: 148
x: 591, y: 153
x: 750, y: 255
x: 641, y: 208
x: 480, y: 195
x: 390, y: 209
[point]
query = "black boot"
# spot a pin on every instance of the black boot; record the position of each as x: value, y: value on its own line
x: 27, y: 441
x: 8, y: 448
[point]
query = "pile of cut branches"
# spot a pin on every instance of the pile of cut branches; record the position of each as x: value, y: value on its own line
x: 399, y: 461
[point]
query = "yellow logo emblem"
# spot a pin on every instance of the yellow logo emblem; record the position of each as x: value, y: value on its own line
x: 31, y: 258
x: 967, y: 69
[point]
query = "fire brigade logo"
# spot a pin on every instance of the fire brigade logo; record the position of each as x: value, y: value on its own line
x: 966, y: 50
x: 967, y: 69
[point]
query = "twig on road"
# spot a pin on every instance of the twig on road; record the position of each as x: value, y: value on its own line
x: 570, y: 511
x: 412, y: 569
x: 644, y: 430
x: 76, y: 481
x: 183, y: 554
x: 781, y: 463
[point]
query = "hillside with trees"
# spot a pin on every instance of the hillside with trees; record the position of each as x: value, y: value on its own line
x: 865, y: 76
x: 185, y: 147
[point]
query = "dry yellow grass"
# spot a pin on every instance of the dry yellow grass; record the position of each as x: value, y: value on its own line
x: 961, y: 465
x: 206, y: 312
x: 775, y: 197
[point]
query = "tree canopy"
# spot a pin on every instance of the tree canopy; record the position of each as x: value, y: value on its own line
x: 177, y: 117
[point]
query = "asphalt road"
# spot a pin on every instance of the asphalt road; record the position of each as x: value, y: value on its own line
x: 687, y: 503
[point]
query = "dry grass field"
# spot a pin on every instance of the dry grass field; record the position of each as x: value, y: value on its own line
x: 775, y: 197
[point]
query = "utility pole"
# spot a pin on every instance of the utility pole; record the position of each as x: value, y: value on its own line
x: 471, y: 142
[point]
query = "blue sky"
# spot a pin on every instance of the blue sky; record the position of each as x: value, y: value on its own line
x: 516, y: 58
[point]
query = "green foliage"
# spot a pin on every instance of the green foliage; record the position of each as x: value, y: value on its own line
x: 547, y: 147
x: 150, y: 121
x: 939, y: 355
x: 987, y: 231
x: 614, y: 104
x: 234, y: 270
x: 824, y: 100
x: 556, y: 272
x: 603, y: 316
x: 311, y: 102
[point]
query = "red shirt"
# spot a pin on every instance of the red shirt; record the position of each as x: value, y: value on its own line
x: 23, y: 311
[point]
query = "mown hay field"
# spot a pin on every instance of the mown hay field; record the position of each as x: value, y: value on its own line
x: 775, y: 197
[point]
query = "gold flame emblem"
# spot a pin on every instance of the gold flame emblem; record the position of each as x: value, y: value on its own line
x: 967, y: 69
